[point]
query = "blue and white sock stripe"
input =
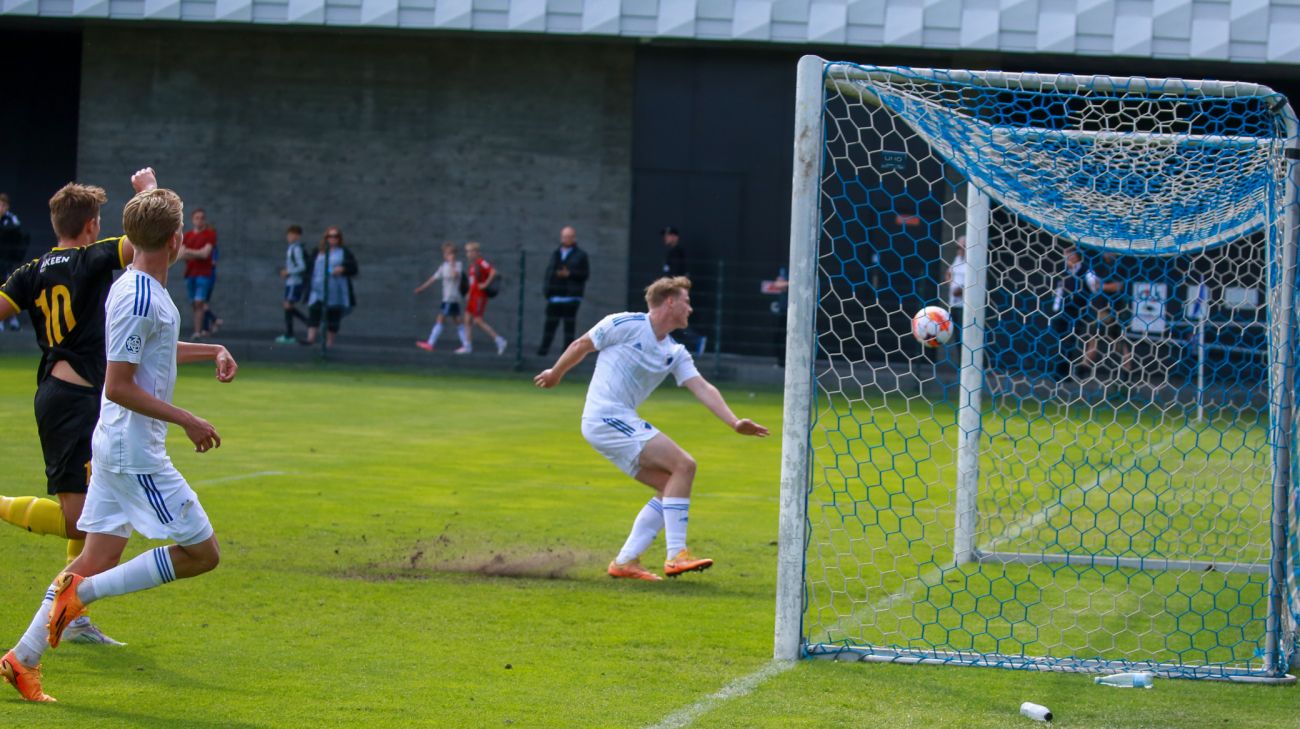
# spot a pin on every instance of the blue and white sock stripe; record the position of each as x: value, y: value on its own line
x: 620, y: 426
x: 163, y: 561
x: 49, y: 595
x: 677, y: 507
x: 656, y: 505
x: 155, y: 498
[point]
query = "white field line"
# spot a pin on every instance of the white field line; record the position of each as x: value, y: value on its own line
x: 742, y: 686
x: 746, y: 685
x: 242, y: 477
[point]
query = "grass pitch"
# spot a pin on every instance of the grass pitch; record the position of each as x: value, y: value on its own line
x: 409, y: 550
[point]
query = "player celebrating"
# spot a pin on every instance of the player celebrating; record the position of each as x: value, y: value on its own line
x: 65, y: 291
x: 133, y: 482
x: 636, y: 354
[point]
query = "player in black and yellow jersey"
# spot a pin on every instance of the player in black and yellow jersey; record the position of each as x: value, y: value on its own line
x: 64, y: 291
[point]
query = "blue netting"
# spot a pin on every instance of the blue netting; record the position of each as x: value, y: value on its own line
x: 1098, y: 167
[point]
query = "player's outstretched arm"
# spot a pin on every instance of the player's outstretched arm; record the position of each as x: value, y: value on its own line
x: 426, y: 284
x: 142, y: 181
x: 705, y: 392
x: 121, y: 388
x: 187, y: 352
x: 572, y: 355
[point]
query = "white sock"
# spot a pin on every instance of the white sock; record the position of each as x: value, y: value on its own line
x: 32, y: 645
x: 644, y: 530
x: 150, y: 569
x: 500, y: 340
x: 433, y: 335
x: 675, y: 517
x: 464, y: 336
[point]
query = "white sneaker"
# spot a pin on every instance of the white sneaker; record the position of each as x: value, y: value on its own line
x: 463, y: 350
x: 501, y: 345
x: 82, y: 630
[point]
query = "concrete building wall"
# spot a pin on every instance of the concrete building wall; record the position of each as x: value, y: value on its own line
x: 401, y: 141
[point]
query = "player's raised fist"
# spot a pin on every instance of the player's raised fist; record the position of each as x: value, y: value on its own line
x: 144, y: 179
x: 546, y: 379
x: 745, y: 426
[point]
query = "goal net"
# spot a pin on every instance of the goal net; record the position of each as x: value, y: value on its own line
x: 1095, y: 474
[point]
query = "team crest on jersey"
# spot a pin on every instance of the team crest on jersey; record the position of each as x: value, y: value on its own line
x: 133, y: 344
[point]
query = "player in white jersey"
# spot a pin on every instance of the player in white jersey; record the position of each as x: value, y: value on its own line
x: 636, y: 355
x: 133, y: 483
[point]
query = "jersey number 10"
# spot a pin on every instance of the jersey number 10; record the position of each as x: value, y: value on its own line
x: 52, y: 302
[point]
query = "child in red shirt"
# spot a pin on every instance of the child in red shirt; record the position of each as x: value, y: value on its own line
x: 481, y: 274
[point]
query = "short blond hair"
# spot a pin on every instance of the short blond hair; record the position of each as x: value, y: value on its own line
x: 73, y: 206
x: 152, y: 217
x: 657, y: 292
x: 472, y: 246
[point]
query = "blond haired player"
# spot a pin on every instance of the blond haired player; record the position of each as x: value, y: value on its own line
x: 133, y: 482
x: 636, y: 354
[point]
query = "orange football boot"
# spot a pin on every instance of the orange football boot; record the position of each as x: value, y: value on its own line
x: 632, y: 570
x: 26, y: 679
x: 684, y: 562
x: 67, y: 606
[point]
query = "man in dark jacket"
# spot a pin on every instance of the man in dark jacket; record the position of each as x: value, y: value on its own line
x: 566, y: 278
x: 674, y: 253
x: 675, y: 265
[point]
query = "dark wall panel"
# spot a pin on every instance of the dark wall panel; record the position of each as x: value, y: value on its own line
x: 39, y: 102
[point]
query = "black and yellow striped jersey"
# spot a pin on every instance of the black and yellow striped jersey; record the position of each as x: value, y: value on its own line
x: 64, y: 291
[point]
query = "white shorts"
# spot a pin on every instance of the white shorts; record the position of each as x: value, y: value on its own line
x: 160, y: 506
x: 621, y: 440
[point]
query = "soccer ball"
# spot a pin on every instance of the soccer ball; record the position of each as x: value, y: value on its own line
x: 932, y: 326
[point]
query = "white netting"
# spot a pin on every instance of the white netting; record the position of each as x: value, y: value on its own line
x: 1123, y: 381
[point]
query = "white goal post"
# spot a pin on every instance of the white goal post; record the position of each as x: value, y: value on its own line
x: 1059, y: 488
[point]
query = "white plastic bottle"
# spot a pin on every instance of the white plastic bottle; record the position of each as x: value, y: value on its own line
x: 1138, y: 679
x: 1035, y: 711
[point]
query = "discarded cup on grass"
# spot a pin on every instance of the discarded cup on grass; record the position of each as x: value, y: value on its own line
x: 1036, y: 712
x: 1137, y: 679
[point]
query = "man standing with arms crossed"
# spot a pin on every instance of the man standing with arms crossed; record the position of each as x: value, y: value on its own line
x: 566, y: 279
x: 199, y: 255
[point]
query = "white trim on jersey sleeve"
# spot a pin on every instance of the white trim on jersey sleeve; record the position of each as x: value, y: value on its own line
x: 616, y: 329
x: 130, y: 321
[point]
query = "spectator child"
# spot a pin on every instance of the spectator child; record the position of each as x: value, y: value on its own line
x: 295, y: 265
x: 481, y: 275
x: 449, y: 274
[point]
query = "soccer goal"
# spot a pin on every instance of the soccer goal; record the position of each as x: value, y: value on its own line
x: 1096, y: 473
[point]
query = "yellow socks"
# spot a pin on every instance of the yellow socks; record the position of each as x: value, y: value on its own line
x: 36, y: 515
x: 74, y: 548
